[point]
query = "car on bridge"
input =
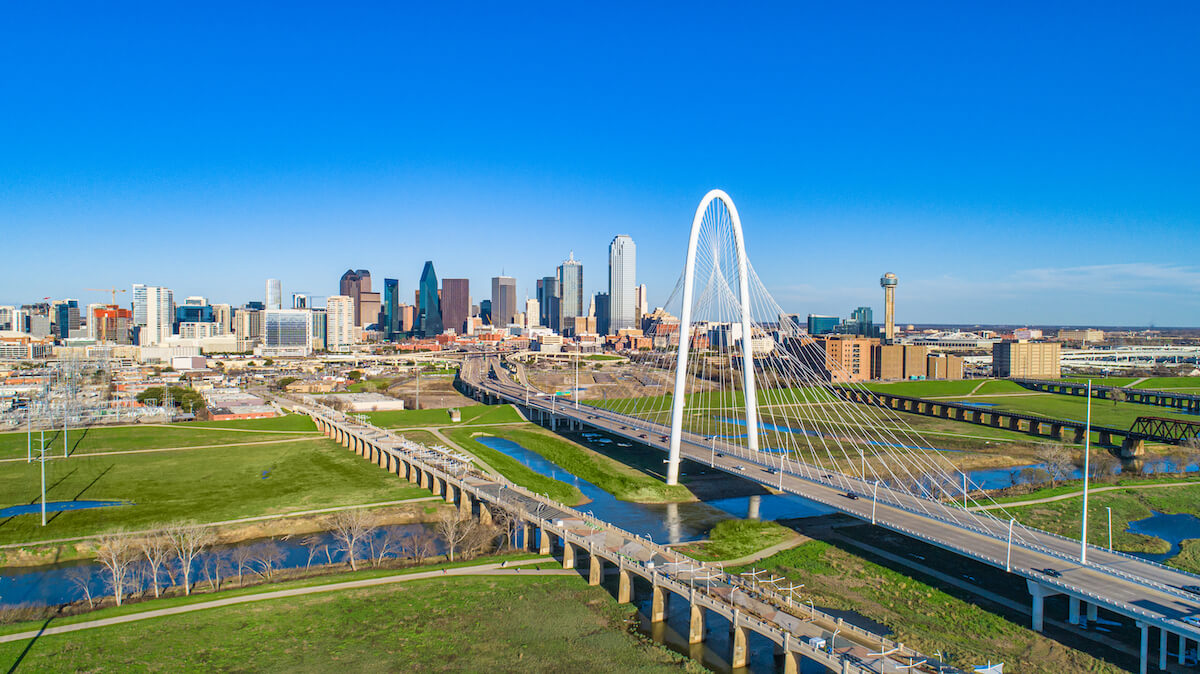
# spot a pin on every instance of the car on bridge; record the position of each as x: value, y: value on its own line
x: 850, y: 495
x: 1049, y: 572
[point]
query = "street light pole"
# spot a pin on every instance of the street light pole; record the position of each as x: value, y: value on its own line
x: 1109, y: 509
x: 43, y: 450
x: 874, y: 500
x: 1008, y: 554
x: 1087, y: 443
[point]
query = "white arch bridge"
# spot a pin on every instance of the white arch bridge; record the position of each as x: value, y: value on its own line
x: 750, y: 394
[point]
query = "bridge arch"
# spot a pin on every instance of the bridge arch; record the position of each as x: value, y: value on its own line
x: 685, y: 330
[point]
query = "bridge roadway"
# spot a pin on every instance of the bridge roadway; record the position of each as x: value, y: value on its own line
x: 746, y: 605
x: 1149, y: 593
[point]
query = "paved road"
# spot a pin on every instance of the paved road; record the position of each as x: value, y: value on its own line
x: 492, y: 569
x: 1120, y: 583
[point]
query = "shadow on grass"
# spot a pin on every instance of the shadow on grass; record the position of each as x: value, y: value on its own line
x: 29, y: 646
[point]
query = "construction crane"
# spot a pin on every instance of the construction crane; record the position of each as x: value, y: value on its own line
x: 114, y: 292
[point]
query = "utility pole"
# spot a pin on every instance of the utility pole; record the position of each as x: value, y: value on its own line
x: 1087, y: 443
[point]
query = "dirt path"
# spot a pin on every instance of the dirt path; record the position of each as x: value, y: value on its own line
x: 241, y: 520
x: 174, y: 449
x: 493, y: 569
x: 977, y: 387
x: 1074, y: 494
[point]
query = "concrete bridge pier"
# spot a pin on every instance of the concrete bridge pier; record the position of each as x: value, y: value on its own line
x: 658, y: 603
x: 791, y: 663
x: 543, y: 541
x: 485, y: 513
x: 1105, y: 438
x: 1144, y: 653
x: 753, y: 508
x: 1039, y: 593
x: 526, y: 536
x: 624, y: 586
x: 1132, y: 447
x: 1014, y: 424
x: 595, y: 569
x: 738, y: 642
x: 465, y: 505
x: 696, y: 622
x: 568, y: 554
x: 449, y: 491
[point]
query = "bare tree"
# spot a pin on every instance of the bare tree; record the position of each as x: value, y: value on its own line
x: 266, y: 556
x: 312, y: 543
x: 187, y: 541
x: 420, y: 545
x: 1058, y: 460
x: 81, y: 579
x: 505, y: 521
x: 453, y: 530
x: 349, y: 528
x: 116, y: 552
x: 215, y: 565
x: 1104, y: 464
x: 240, y: 558
x: 387, y: 542
x: 1118, y: 396
x: 156, y: 550
x: 480, y: 538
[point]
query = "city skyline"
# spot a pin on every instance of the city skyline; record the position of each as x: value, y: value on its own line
x: 1048, y: 184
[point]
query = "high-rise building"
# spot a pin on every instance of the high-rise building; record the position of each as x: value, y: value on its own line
x: 641, y: 305
x: 112, y: 324
x: 288, y: 330
x: 391, y: 309
x: 861, y: 322
x: 139, y: 304
x: 603, y: 312
x: 160, y: 315
x: 274, y: 294
x: 456, y: 304
x: 339, y: 322
x: 247, y: 328
x: 195, y: 301
x: 193, y: 313
x: 223, y: 317
x: 549, y: 302
x: 570, y: 290
x: 407, y: 318
x: 622, y: 286
x: 66, y: 318
x: 369, y: 308
x: 532, y: 313
x: 504, y: 300
x: 319, y: 326
x: 888, y: 282
x: 485, y: 311
x: 429, y: 306
x: 8, y: 318
x: 822, y: 325
x: 1027, y: 359
x: 299, y: 301
x: 352, y: 285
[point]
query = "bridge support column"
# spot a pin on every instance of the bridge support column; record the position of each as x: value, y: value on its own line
x: 1182, y: 648
x: 424, y: 479
x: 1014, y: 424
x: 485, y: 514
x: 737, y: 640
x: 658, y: 604
x: 1132, y: 447
x: 1039, y: 593
x: 1091, y: 613
x: 791, y: 664
x: 1162, y: 649
x: 526, y: 536
x: 1073, y: 610
x: 1144, y: 652
x: 752, y: 510
x: 595, y: 569
x: 696, y: 623
x: 449, y: 491
x: 543, y: 541
x: 624, y: 586
x: 464, y: 504
x: 568, y: 554
x: 1105, y: 438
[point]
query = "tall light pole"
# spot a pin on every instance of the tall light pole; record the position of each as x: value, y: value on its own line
x: 1087, y: 443
x: 874, y: 500
x: 1109, y: 509
x: 1008, y: 553
x: 43, y: 451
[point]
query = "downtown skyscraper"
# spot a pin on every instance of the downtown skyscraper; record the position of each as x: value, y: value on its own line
x: 456, y: 304
x: 622, y: 288
x: 570, y: 291
x: 504, y: 300
x: 429, y: 310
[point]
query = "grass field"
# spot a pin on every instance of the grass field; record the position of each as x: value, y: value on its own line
x: 291, y: 422
x: 620, y: 480
x: 511, y: 468
x: 734, y: 539
x: 1063, y: 517
x: 123, y: 438
x: 1074, y: 408
x: 440, y: 418
x: 923, y: 616
x: 928, y: 388
x: 548, y: 624
x: 204, y: 484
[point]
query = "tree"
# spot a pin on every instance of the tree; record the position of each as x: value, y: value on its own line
x: 240, y: 558
x: 1118, y: 396
x: 480, y: 538
x: 214, y: 566
x: 116, y: 552
x: 313, y: 543
x: 354, y: 375
x: 266, y: 556
x: 187, y: 541
x: 454, y: 530
x: 81, y: 579
x: 420, y: 545
x: 1104, y: 464
x: 382, y: 545
x: 157, y: 551
x: 1058, y: 460
x: 349, y: 528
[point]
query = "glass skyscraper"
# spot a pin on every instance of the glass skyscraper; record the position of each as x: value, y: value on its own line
x: 456, y: 304
x: 622, y: 285
x: 430, y: 311
x: 504, y: 300
x: 391, y: 308
x: 570, y: 290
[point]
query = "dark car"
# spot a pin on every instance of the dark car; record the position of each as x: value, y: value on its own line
x: 851, y: 496
x: 1194, y: 589
x: 1049, y: 572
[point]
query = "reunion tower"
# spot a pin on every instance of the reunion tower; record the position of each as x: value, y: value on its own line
x: 888, y: 283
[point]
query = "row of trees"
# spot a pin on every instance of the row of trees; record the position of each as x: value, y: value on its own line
x: 182, y: 555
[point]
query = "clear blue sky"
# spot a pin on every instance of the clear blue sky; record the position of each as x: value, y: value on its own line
x: 1020, y: 163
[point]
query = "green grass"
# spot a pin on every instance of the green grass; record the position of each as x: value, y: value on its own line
x: 369, y: 385
x: 471, y: 414
x: 602, y: 357
x: 923, y: 616
x: 291, y: 422
x: 514, y: 470
x: 734, y: 539
x: 1167, y: 383
x: 205, y: 485
x: 123, y: 438
x: 549, y: 624
x: 928, y: 388
x: 1103, y: 381
x: 622, y: 481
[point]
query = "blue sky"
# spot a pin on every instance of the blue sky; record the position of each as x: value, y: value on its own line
x: 1012, y: 163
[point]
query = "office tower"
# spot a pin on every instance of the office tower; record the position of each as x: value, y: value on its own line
x: 66, y: 318
x: 602, y: 309
x: 548, y: 299
x: 353, y: 284
x: 160, y: 315
x: 504, y: 300
x: 247, y: 328
x: 888, y: 283
x: 622, y: 288
x: 640, y: 306
x: 193, y: 313
x: 570, y: 290
x: 255, y: 305
x: 533, y: 313
x: 195, y: 301
x: 299, y: 301
x: 391, y: 309
x: 112, y: 324
x: 274, y: 294
x: 1027, y: 359
x: 370, y: 305
x: 456, y: 304
x: 408, y: 318
x: 8, y: 318
x: 223, y: 317
x: 288, y: 329
x: 429, y: 306
x: 862, y: 322
x: 319, y: 325
x: 822, y: 325
x: 485, y: 311
x: 339, y: 322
